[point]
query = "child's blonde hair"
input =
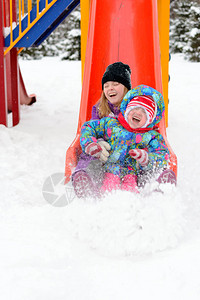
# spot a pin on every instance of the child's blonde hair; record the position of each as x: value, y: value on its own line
x: 102, y: 104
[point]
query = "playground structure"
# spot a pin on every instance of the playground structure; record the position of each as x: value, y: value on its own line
x: 27, y: 25
x: 134, y: 32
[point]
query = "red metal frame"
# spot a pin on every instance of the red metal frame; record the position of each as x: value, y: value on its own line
x: 14, y: 74
x: 9, y: 69
x: 3, y: 96
x: 14, y: 86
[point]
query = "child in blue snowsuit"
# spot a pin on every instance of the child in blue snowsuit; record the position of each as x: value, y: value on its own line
x: 135, y: 141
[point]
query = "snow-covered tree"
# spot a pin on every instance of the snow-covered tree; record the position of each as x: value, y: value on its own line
x: 72, y: 44
x: 179, y: 25
x: 185, y: 28
x: 192, y: 49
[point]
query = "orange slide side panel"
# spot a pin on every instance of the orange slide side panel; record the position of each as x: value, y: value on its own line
x: 124, y: 31
x: 72, y: 155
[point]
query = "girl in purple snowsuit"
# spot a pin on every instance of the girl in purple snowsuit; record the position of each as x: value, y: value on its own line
x: 116, y: 82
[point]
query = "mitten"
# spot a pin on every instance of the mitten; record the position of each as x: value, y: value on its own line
x: 140, y: 155
x: 105, y: 147
x: 93, y: 149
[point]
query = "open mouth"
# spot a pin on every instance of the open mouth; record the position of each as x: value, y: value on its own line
x: 112, y: 95
x: 136, y: 119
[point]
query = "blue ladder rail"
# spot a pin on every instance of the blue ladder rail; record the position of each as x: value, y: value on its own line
x: 45, y: 25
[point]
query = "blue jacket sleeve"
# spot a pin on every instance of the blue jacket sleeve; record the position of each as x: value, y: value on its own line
x: 91, y: 131
x: 158, y: 152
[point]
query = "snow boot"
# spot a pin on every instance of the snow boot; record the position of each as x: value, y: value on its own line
x: 167, y: 176
x: 129, y: 183
x: 111, y: 182
x: 83, y: 185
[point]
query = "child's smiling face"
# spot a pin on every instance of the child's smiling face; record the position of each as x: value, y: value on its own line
x: 114, y: 91
x: 137, y: 118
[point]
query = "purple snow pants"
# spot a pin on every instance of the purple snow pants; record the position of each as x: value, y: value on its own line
x: 92, y: 166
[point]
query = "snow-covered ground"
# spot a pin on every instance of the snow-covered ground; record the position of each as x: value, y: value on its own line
x: 124, y: 247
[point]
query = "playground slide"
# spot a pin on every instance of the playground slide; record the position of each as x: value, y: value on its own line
x: 24, y: 97
x: 124, y: 31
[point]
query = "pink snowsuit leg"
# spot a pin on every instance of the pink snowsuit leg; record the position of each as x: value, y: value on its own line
x: 129, y: 183
x: 111, y: 182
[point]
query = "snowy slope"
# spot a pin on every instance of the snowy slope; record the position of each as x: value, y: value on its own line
x: 124, y: 247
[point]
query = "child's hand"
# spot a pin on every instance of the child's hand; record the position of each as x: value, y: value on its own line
x: 93, y: 149
x: 105, y: 148
x: 98, y: 150
x: 140, y: 155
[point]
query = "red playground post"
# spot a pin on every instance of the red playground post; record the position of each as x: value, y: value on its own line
x: 9, y: 73
x: 3, y: 95
x: 12, y: 88
x: 12, y: 71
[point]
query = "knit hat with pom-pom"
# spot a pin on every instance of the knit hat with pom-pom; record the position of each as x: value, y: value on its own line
x: 145, y: 102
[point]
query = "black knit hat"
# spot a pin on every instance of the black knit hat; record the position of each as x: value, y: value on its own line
x: 118, y: 72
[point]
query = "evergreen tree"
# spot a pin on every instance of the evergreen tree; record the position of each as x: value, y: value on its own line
x: 192, y: 49
x: 185, y: 28
x: 72, y: 44
x: 179, y: 25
